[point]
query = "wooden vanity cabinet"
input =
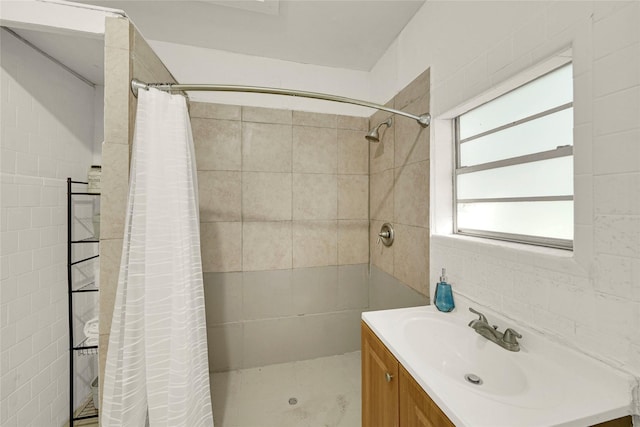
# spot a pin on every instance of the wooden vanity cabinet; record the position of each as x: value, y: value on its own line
x: 390, y: 395
x: 392, y: 398
x: 379, y: 382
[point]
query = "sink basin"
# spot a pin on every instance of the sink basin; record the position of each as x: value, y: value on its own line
x: 456, y: 350
x: 543, y: 384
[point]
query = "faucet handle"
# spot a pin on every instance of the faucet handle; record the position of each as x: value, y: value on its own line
x: 482, y: 317
x: 510, y: 336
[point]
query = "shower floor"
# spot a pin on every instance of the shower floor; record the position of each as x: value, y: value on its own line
x: 327, y: 391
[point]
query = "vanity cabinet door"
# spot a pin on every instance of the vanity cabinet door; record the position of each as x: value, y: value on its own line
x: 379, y: 383
x: 416, y: 407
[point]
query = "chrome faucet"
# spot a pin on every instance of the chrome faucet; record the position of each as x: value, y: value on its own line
x: 507, y: 339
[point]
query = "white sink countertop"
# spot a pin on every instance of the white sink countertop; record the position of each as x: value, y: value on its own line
x: 543, y: 384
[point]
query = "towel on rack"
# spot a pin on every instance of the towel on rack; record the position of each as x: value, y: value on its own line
x: 91, y: 341
x: 91, y: 328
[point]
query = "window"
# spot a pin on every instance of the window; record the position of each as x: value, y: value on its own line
x: 514, y: 164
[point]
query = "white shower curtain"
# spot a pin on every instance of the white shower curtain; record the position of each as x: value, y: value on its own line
x: 157, y: 363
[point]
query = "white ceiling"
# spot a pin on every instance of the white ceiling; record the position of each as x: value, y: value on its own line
x: 343, y: 34
x: 83, y: 55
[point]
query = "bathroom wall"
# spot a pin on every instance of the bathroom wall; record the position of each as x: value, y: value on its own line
x: 47, y: 126
x: 284, y: 231
x: 127, y: 55
x: 589, y: 299
x: 399, y: 188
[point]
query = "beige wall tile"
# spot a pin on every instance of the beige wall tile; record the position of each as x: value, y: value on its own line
x: 217, y: 143
x: 353, y: 123
x: 115, y: 190
x: 226, y: 347
x: 381, y: 195
x: 315, y: 290
x: 412, y: 140
x: 266, y: 147
x: 315, y: 196
x: 304, y: 118
x: 411, y: 261
x: 206, y: 110
x: 266, y: 245
x: 117, y: 32
x: 110, y: 255
x: 411, y: 196
x: 143, y: 55
x: 353, y: 152
x: 414, y: 90
x: 222, y: 297
x: 266, y: 196
x: 103, y: 345
x: 353, y: 197
x: 315, y: 150
x: 267, y: 294
x: 315, y: 243
x: 353, y: 286
x: 116, y: 96
x: 381, y: 255
x: 266, y: 115
x: 353, y: 242
x: 221, y: 246
x: 220, y: 197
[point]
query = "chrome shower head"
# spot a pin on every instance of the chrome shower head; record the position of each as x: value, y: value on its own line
x: 374, y: 135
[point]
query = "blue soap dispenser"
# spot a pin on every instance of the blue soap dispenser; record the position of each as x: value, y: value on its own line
x: 444, y: 295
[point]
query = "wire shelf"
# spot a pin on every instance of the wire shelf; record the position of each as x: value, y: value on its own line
x: 86, y: 350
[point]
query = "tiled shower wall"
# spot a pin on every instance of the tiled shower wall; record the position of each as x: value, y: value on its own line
x: 284, y: 232
x: 399, y: 186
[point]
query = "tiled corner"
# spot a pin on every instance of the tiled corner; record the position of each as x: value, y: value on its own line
x: 116, y: 95
x: 266, y: 245
x: 353, y: 197
x: 353, y: 152
x: 353, y: 242
x: 266, y: 147
x: 353, y: 123
x: 266, y: 196
x: 221, y: 246
x: 217, y: 144
x: 117, y: 32
x: 219, y: 194
x: 381, y: 195
x: 315, y: 196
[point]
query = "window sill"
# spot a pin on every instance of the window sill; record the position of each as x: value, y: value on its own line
x: 500, y: 247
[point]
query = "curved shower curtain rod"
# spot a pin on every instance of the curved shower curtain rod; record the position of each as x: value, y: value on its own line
x: 423, y: 120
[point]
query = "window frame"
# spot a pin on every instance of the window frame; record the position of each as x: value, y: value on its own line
x: 558, y: 152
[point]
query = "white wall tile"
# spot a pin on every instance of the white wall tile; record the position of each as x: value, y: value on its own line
x: 47, y: 135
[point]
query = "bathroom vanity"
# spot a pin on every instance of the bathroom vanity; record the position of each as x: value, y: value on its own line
x: 415, y: 360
